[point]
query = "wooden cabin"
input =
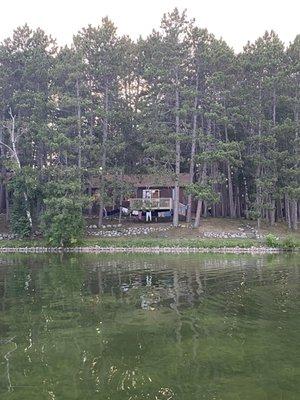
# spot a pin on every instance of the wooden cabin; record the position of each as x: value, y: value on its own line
x: 156, y: 193
x: 152, y: 192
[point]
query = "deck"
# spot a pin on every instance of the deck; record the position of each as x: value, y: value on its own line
x: 151, y: 204
x: 155, y: 204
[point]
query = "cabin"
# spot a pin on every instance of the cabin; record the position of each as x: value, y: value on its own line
x: 156, y: 193
x: 153, y: 193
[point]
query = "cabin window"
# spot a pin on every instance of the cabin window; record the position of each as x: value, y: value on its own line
x: 151, y: 194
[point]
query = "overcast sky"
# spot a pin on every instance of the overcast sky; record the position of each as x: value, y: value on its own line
x: 237, y: 21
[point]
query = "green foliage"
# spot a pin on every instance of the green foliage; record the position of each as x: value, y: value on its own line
x: 254, y: 212
x: 179, y: 100
x: 289, y: 243
x: 173, y: 242
x: 271, y: 240
x: 220, y: 152
x: 203, y: 192
x: 62, y: 220
x: 18, y: 219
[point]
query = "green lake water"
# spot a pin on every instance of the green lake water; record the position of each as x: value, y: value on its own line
x: 125, y: 327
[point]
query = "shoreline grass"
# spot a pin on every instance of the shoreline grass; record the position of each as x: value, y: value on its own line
x: 293, y: 243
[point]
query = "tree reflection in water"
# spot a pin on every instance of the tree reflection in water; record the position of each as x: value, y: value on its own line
x: 149, y: 327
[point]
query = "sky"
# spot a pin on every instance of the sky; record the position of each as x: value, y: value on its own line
x: 236, y: 21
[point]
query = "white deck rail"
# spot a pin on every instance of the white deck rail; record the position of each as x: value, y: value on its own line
x: 151, y: 204
x: 162, y: 203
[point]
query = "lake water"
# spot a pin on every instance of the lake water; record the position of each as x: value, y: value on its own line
x: 187, y: 327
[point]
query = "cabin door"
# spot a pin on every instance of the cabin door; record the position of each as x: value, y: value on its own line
x: 155, y: 194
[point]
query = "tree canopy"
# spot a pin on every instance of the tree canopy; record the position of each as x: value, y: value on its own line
x: 177, y: 101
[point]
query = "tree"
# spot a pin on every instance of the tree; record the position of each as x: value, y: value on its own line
x: 164, y: 72
x: 262, y: 68
x: 100, y: 51
x: 27, y: 59
x: 62, y: 219
x: 178, y: 101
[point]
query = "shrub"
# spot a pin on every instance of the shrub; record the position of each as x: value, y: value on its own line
x: 271, y: 240
x: 289, y: 243
x: 18, y: 220
x: 63, y: 222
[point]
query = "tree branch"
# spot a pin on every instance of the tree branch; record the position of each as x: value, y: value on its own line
x: 8, y: 147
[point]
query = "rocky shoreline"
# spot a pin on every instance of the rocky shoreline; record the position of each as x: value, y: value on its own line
x: 151, y: 250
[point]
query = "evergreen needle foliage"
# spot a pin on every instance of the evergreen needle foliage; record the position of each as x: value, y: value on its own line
x: 75, y: 120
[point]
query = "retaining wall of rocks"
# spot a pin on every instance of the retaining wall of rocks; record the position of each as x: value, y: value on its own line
x: 8, y: 236
x: 119, y: 231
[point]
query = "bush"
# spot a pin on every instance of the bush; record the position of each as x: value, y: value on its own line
x: 271, y: 240
x: 19, y: 222
x: 289, y: 243
x: 63, y: 222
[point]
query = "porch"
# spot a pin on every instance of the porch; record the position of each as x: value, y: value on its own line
x: 160, y: 203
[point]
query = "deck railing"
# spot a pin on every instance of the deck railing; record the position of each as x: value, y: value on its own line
x: 151, y: 204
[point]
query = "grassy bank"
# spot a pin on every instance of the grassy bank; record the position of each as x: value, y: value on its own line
x: 171, y: 242
x: 288, y: 243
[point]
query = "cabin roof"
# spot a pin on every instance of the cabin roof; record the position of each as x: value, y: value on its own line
x: 145, y: 181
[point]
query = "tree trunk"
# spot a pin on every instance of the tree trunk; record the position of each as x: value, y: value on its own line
x: 7, y: 208
x: 202, y: 179
x: 287, y: 210
x: 247, y: 201
x: 223, y: 202
x: 103, y: 163
x: 177, y: 158
x: 294, y: 202
x: 272, y: 210
x: 232, y: 212
x: 90, y: 209
x: 15, y: 155
x: 258, y: 169
x: 238, y: 203
x: 279, y: 210
x: 3, y: 170
x: 294, y: 214
x: 272, y: 213
x: 79, y: 126
x: 193, y: 150
x: 2, y: 195
x: 198, y: 214
x: 121, y: 197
